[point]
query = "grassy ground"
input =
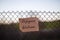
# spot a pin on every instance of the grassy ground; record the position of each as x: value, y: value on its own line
x: 12, y: 32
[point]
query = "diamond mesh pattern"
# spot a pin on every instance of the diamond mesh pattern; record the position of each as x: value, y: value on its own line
x: 9, y: 17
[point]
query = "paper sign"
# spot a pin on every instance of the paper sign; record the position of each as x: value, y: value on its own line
x: 28, y: 24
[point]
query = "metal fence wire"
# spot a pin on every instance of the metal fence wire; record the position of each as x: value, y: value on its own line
x: 12, y: 17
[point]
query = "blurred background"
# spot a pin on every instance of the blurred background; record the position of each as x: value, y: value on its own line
x: 47, y: 11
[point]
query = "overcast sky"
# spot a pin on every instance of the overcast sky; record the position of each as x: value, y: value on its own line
x: 18, y: 5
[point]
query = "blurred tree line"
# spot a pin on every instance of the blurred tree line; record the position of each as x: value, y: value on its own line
x: 42, y: 25
x: 52, y: 24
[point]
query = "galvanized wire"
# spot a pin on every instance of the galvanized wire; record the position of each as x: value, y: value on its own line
x: 12, y: 17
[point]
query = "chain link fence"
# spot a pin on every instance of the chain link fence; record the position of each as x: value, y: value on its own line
x: 12, y: 17
x: 47, y: 20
